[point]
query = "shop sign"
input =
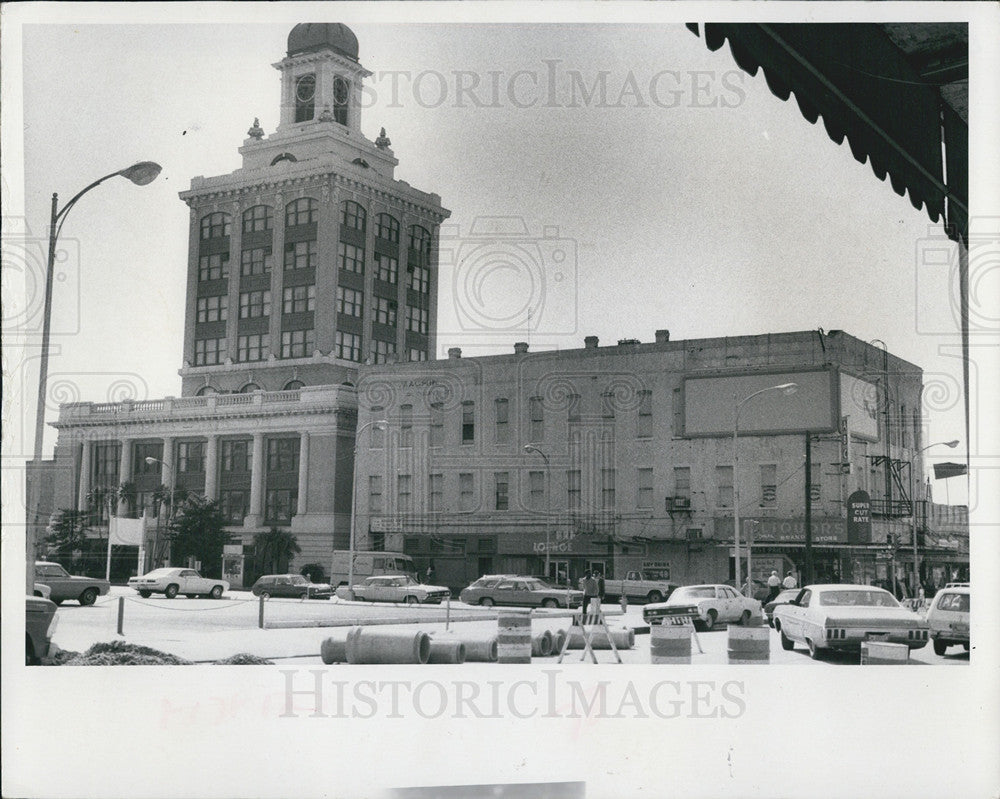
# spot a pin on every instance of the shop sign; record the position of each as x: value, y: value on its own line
x: 825, y: 530
x: 859, y: 518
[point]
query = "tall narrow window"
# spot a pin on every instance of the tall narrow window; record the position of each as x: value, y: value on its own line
x: 644, y: 421
x: 305, y: 98
x: 468, y: 422
x: 466, y: 492
x: 502, y: 490
x: 768, y: 485
x: 435, y: 492
x: 644, y: 488
x: 437, y: 424
x: 607, y: 489
x: 341, y: 99
x: 503, y: 418
x: 406, y: 425
x: 536, y: 490
x: 405, y: 493
x: 536, y: 426
x: 573, y: 489
x: 724, y: 480
x: 608, y: 404
x: 682, y: 482
x: 573, y: 408
x: 375, y: 493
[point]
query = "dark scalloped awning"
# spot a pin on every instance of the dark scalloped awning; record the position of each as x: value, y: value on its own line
x: 894, y: 92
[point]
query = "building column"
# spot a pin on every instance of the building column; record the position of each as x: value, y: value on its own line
x: 302, y: 507
x: 84, y: 487
x: 124, y: 471
x: 212, y: 468
x: 256, y: 515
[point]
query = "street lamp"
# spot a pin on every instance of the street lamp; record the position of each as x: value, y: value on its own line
x: 786, y: 388
x: 378, y: 424
x: 140, y: 174
x: 916, y: 568
x: 548, y: 500
x: 171, y: 481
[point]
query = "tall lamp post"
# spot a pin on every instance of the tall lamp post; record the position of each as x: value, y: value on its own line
x: 548, y: 500
x: 787, y: 388
x: 916, y: 566
x: 140, y: 174
x: 378, y: 424
x: 171, y: 482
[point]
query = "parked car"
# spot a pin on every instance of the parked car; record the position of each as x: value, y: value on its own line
x: 399, y: 588
x: 761, y: 589
x: 290, y: 585
x: 43, y: 591
x: 63, y: 585
x: 948, y: 618
x: 508, y: 589
x: 787, y: 595
x: 841, y: 617
x: 173, y: 580
x: 39, y: 626
x: 712, y: 604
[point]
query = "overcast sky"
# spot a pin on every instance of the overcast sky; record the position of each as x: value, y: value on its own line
x: 685, y: 195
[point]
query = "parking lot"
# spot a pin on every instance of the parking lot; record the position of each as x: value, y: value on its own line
x: 206, y: 630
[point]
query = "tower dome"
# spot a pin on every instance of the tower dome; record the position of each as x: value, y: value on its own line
x: 308, y: 36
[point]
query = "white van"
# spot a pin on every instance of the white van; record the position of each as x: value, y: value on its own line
x: 367, y: 564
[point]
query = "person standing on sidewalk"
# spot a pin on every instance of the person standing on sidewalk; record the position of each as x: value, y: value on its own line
x: 773, y: 586
x: 589, y: 586
x: 789, y: 581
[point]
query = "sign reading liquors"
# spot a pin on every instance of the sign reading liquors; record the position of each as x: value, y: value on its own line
x: 859, y: 518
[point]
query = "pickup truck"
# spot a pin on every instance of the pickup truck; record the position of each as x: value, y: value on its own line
x: 639, y: 585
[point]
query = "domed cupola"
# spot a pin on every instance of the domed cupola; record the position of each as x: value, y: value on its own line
x: 309, y: 37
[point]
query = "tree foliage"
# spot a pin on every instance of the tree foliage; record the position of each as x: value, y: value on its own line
x: 197, y: 530
x: 273, y: 550
x: 68, y: 532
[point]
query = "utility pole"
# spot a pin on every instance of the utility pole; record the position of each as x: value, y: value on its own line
x: 808, y: 577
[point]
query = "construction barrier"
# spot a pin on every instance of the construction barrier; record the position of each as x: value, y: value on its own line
x: 444, y: 650
x: 670, y: 643
x: 514, y: 636
x: 749, y: 645
x: 882, y: 653
x: 623, y: 639
x: 541, y: 644
x: 365, y: 645
x: 333, y: 650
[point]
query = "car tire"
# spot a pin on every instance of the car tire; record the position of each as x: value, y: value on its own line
x: 412, y: 600
x: 814, y: 651
x: 486, y: 602
x: 654, y: 596
x: 940, y: 647
x: 710, y: 619
x: 549, y: 603
x: 216, y: 592
x: 786, y: 643
x: 145, y: 594
x: 171, y: 591
x: 745, y: 618
x: 88, y: 597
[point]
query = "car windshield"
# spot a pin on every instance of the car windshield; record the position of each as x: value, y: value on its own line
x: 864, y: 598
x: 536, y: 585
x: 159, y: 572
x: 52, y: 570
x: 695, y: 592
x: 484, y: 582
x: 786, y: 596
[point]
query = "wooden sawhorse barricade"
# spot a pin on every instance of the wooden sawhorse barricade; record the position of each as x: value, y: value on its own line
x: 595, y: 616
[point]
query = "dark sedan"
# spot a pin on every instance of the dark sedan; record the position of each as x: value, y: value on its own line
x: 783, y: 598
x: 84, y: 590
x: 290, y: 585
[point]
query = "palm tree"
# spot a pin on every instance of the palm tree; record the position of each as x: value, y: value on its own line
x: 273, y: 550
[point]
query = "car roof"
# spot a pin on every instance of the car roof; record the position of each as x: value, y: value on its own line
x: 955, y: 589
x: 47, y: 563
x: 842, y: 587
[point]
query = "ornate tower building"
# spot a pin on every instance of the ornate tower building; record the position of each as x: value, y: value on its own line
x: 311, y: 258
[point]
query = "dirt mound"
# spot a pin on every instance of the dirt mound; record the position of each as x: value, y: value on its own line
x: 119, y: 653
x: 244, y: 660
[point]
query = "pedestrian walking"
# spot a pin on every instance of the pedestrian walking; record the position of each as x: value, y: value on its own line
x: 789, y: 581
x: 430, y: 571
x: 773, y: 586
x: 600, y: 586
x: 589, y: 586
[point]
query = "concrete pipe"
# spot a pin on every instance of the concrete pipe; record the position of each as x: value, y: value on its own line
x: 558, y: 639
x: 483, y: 650
x: 623, y: 638
x: 445, y: 650
x: 334, y: 650
x: 541, y: 644
x: 369, y: 645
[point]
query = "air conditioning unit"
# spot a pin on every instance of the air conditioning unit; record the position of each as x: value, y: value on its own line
x: 678, y: 503
x: 695, y: 534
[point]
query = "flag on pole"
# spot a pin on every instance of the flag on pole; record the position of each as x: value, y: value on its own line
x: 127, y: 532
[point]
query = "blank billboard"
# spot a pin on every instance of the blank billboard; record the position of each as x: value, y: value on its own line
x: 709, y: 403
x: 859, y: 401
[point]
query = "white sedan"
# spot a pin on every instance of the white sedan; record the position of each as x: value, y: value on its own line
x: 174, y: 580
x: 399, y: 588
x: 708, y: 604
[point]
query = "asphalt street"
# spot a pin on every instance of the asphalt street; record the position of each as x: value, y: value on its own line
x: 205, y: 630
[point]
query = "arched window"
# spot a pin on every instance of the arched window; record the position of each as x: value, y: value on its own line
x: 293, y: 385
x: 215, y: 226
x: 205, y: 391
x: 387, y: 227
x: 250, y: 388
x: 420, y: 239
x: 305, y: 98
x: 353, y: 215
x: 258, y: 218
x: 304, y: 211
x: 341, y: 99
x: 283, y: 157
